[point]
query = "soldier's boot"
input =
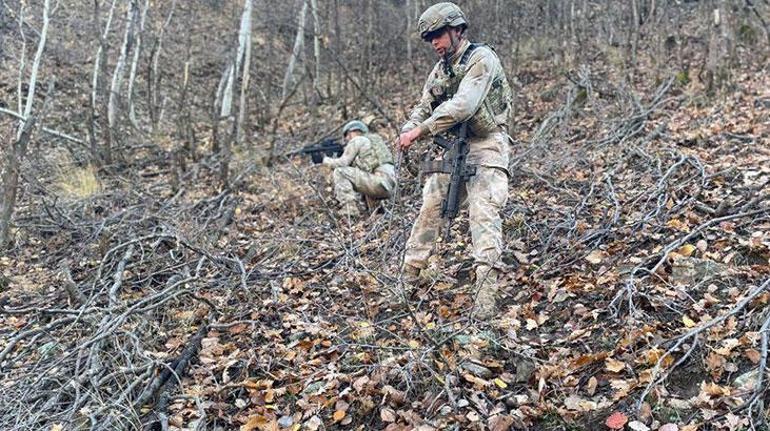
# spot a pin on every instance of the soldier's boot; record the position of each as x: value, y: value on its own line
x: 349, y: 209
x: 411, y: 275
x: 486, y: 298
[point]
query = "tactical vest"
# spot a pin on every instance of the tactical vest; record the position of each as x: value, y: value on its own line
x: 374, y: 154
x: 494, y: 110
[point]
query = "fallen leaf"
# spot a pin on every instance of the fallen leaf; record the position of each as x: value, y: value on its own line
x: 387, y: 415
x: 596, y: 256
x: 338, y: 415
x: 591, y: 386
x: 616, y: 421
x: 360, y: 382
x: 574, y: 402
x: 254, y: 422
x: 645, y: 413
x: 687, y: 321
x: 313, y: 423
x: 715, y: 390
x: 613, y: 365
x: 500, y: 383
x: 715, y: 361
x: 531, y: 324
x: 638, y: 426
x: 686, y: 250
x: 500, y: 423
x: 753, y: 355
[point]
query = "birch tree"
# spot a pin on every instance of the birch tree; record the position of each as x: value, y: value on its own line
x: 18, y: 150
x: 299, y: 41
x: 243, y: 61
x: 134, y: 62
x: 118, y: 75
x: 100, y: 64
x: 238, y: 65
x: 155, y: 101
x: 316, y: 46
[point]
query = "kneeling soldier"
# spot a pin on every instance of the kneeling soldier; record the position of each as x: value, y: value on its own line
x: 365, y: 168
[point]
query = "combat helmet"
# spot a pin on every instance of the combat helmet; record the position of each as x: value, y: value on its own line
x: 438, y: 16
x: 355, y: 125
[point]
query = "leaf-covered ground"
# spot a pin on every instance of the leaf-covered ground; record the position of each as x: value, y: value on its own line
x: 637, y: 231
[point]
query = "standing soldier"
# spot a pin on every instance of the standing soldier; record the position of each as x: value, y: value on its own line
x: 467, y: 84
x: 365, y: 167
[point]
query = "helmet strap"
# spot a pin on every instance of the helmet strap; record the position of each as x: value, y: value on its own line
x: 454, y: 43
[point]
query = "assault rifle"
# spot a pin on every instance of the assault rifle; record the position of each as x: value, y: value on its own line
x: 456, y: 149
x: 326, y: 147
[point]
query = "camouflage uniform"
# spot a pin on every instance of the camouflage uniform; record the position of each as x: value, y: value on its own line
x: 473, y: 88
x: 365, y: 167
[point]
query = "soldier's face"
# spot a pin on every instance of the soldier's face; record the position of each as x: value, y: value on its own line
x: 444, y: 42
x: 351, y: 134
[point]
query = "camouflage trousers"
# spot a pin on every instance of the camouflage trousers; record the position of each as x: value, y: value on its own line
x: 350, y: 183
x: 485, y: 194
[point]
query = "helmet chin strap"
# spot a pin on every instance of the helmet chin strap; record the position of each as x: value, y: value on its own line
x: 454, y: 42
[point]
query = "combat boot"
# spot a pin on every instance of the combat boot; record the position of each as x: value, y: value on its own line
x: 486, y: 297
x: 349, y: 210
x: 412, y: 275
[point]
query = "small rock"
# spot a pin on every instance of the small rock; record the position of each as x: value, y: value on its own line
x: 517, y: 400
x: 313, y: 388
x: 477, y: 370
x: 285, y: 421
x: 524, y: 370
x: 747, y: 380
x: 463, y: 340
x: 691, y: 270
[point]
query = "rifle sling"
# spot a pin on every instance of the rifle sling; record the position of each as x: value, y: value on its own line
x: 444, y: 167
x: 435, y: 166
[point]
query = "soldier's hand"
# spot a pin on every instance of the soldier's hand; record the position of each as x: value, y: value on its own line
x: 407, y: 139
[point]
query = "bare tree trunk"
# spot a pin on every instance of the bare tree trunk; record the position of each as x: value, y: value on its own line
x: 22, y: 60
x: 100, y: 64
x: 227, y: 87
x: 117, y: 82
x: 35, y: 67
x: 760, y: 18
x: 12, y: 163
x: 634, y: 31
x: 337, y: 54
x: 316, y: 48
x: 184, y: 119
x: 132, y: 74
x: 409, y: 31
x: 244, y: 60
x: 154, y: 76
x: 718, y: 59
x: 296, y: 51
x: 18, y: 150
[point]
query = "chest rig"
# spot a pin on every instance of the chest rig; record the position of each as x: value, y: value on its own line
x: 492, y: 114
x: 373, y: 155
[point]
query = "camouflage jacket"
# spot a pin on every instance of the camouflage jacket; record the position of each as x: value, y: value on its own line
x: 367, y: 153
x: 475, y: 89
